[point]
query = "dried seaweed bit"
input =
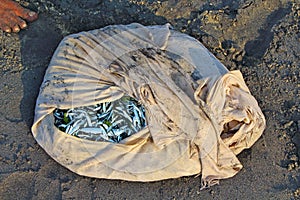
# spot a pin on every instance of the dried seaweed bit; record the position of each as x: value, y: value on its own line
x: 109, y: 121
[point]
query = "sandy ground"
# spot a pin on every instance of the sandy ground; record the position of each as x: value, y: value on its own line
x: 259, y: 37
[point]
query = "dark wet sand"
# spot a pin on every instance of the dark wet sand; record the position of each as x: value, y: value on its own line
x: 260, y: 37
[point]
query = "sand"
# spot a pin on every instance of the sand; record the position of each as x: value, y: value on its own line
x: 259, y: 37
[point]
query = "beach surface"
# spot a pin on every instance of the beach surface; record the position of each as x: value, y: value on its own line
x: 261, y: 38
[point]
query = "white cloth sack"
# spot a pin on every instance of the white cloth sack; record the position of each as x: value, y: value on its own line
x: 199, y: 115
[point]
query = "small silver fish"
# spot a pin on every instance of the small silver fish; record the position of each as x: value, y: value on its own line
x: 109, y: 121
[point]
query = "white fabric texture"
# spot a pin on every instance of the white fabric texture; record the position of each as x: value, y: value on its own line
x: 199, y: 115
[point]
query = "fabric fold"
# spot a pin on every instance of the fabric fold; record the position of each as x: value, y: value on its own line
x: 199, y: 115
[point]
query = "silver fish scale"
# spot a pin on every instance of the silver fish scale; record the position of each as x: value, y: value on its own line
x: 109, y: 121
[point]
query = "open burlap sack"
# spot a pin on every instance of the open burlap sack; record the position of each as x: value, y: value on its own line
x: 200, y: 115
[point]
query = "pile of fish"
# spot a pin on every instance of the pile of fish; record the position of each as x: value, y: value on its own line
x: 109, y: 121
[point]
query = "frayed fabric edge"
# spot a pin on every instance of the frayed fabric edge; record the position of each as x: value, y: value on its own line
x: 205, y: 184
